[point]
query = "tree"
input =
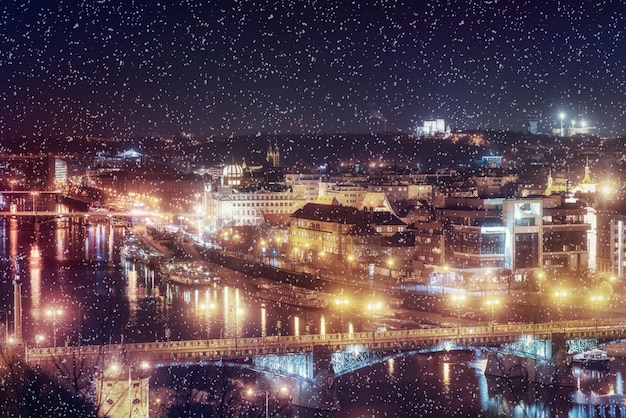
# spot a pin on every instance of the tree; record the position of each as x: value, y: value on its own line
x: 202, y: 392
x: 31, y: 392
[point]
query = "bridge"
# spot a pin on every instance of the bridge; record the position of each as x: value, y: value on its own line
x: 316, y: 360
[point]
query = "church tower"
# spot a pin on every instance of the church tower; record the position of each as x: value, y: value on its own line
x: 273, y: 154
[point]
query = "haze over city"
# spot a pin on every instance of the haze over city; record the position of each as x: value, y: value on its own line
x: 144, y: 68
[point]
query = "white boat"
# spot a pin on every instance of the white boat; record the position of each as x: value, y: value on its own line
x: 594, y: 357
x: 292, y: 295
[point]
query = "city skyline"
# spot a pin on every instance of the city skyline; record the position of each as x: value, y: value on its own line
x: 181, y: 66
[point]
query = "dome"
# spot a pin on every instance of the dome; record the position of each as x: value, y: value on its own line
x: 232, y: 175
x: 233, y: 170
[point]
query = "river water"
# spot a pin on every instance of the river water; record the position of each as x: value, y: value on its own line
x: 101, y: 299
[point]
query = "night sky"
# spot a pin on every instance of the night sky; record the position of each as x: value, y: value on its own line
x: 143, y: 67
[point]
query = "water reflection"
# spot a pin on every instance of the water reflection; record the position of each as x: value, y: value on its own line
x: 73, y: 266
x: 34, y: 260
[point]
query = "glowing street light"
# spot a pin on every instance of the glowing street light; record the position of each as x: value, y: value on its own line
x: 560, y: 295
x: 492, y: 302
x: 374, y: 306
x: 341, y: 302
x: 39, y: 338
x: 115, y: 369
x: 53, y: 313
x: 562, y: 117
x: 266, y: 393
x: 458, y: 299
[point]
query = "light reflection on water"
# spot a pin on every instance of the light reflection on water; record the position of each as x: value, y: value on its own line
x: 72, y: 265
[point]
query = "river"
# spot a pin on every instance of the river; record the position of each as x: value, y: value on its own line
x: 100, y: 299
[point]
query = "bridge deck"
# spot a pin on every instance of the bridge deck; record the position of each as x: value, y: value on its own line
x: 194, y: 351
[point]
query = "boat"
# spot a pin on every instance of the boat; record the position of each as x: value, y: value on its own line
x: 137, y: 251
x: 292, y: 295
x: 189, y: 274
x: 594, y: 357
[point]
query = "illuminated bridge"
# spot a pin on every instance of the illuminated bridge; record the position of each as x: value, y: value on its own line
x: 315, y: 360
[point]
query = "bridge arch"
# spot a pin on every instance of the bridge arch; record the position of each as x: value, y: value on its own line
x: 518, y: 371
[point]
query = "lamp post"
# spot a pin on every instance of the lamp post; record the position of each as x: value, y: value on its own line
x: 39, y: 339
x: 115, y: 369
x: 492, y: 302
x: 596, y: 300
x: 53, y: 313
x: 560, y: 295
x: 341, y: 301
x: 458, y: 299
x: 562, y: 117
x: 266, y: 394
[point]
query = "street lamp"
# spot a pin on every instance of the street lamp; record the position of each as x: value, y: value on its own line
x: 560, y: 295
x: 115, y: 369
x: 39, y: 339
x: 374, y: 307
x: 493, y: 302
x: 53, y: 313
x: 266, y: 394
x: 263, y: 248
x: 341, y: 301
x: 457, y: 300
x: 562, y: 117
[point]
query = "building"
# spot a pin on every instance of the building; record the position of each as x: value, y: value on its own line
x: 235, y: 201
x: 273, y: 155
x: 432, y: 127
x: 309, y: 183
x: 338, y: 235
x: 477, y: 239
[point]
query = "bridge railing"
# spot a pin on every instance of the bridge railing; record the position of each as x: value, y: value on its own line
x: 269, y: 344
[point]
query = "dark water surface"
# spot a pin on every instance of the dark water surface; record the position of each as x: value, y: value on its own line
x: 104, y: 299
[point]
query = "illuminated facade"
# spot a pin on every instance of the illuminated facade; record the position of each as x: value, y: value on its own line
x: 231, y: 207
x: 321, y: 234
x: 475, y: 237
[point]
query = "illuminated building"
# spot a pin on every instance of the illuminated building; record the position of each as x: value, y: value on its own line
x: 472, y: 236
x: 336, y: 234
x: 238, y: 201
x: 273, y: 155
